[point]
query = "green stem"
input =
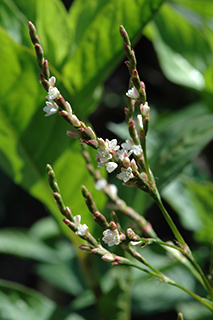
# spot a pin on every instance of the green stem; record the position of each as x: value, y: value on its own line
x: 143, y: 143
x: 165, y: 279
x: 170, y: 221
x: 185, y: 249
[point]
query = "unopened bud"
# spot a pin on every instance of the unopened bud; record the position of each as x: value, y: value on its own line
x: 84, y: 248
x: 130, y: 233
x: 140, y: 122
x: 68, y: 107
x: 75, y: 122
x: 126, y: 161
x: 113, y: 225
x: 144, y: 109
x: 73, y: 134
x: 101, y: 143
x: 90, y: 133
x: 108, y: 257
x: 133, y: 165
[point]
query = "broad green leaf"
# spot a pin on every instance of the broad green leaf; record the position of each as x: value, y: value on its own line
x: 53, y: 29
x: 118, y: 296
x: 183, y: 43
x: 14, y: 22
x: 19, y: 243
x: 62, y: 275
x: 29, y: 140
x: 201, y: 195
x: 183, y: 135
x: 183, y: 36
x: 178, y: 197
x: 97, y: 46
x: 193, y: 310
x: 21, y: 303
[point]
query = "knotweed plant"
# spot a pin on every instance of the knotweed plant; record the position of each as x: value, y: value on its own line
x: 130, y: 164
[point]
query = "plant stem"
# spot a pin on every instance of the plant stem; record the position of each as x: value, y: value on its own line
x: 170, y: 222
x: 165, y: 279
x: 185, y: 249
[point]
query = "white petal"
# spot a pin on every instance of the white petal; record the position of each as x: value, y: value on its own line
x: 111, y: 166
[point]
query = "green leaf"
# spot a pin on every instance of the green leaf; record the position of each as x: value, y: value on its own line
x: 193, y: 310
x: 29, y: 140
x: 118, y: 295
x: 62, y: 275
x: 14, y: 22
x: 201, y: 196
x: 182, y: 137
x: 183, y: 44
x: 21, y: 303
x: 97, y: 46
x: 20, y: 243
x: 53, y: 29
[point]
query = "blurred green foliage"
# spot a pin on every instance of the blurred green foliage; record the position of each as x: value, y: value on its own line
x: 84, y: 47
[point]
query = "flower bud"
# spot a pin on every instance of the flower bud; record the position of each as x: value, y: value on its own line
x: 144, y: 109
x: 108, y: 257
x: 73, y: 134
x: 75, y: 122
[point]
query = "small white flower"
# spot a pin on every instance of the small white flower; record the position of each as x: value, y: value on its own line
x: 111, y: 166
x: 103, y: 156
x: 125, y: 174
x: 127, y: 145
x: 135, y: 243
x: 111, y: 237
x: 77, y: 219
x: 52, y: 81
x: 82, y: 229
x: 53, y: 93
x: 113, y: 190
x: 112, y: 144
x: 123, y: 153
x: 101, y: 184
x: 137, y: 150
x: 144, y: 109
x: 133, y: 93
x: 140, y: 121
x: 50, y: 108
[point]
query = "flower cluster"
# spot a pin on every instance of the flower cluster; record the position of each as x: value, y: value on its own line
x: 82, y: 229
x: 110, y: 150
x: 53, y: 93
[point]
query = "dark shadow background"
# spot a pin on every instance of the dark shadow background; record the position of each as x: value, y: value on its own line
x: 19, y: 209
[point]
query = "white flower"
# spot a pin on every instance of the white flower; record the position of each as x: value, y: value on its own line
x: 111, y: 237
x: 82, y: 229
x: 129, y: 145
x: 122, y: 153
x: 103, y: 156
x: 111, y: 166
x: 137, y: 150
x: 135, y: 243
x: 144, y: 109
x: 53, y: 93
x: 101, y: 184
x: 126, y: 174
x: 113, y: 190
x: 50, y: 108
x: 133, y: 93
x: 52, y: 81
x: 112, y: 144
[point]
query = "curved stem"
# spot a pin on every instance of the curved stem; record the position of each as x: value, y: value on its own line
x: 170, y: 222
x: 185, y: 249
x: 165, y: 279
